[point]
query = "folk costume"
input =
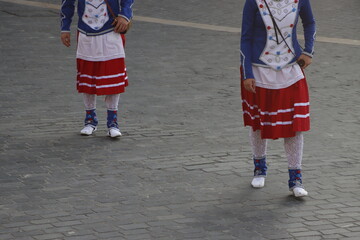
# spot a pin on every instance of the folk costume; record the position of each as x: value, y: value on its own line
x: 100, y: 56
x: 280, y: 106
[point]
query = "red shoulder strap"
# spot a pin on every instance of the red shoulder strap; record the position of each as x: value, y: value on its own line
x: 110, y: 9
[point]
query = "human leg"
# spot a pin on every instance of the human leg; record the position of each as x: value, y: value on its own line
x: 258, y: 146
x: 90, y: 123
x: 89, y: 101
x: 294, y: 151
x: 112, y: 102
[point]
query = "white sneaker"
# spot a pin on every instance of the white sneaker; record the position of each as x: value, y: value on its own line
x: 88, y: 130
x: 299, y: 192
x: 114, y: 132
x: 258, y: 182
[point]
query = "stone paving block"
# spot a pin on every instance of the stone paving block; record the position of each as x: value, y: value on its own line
x: 225, y: 172
x: 74, y: 216
x: 44, y: 221
x: 354, y: 229
x: 67, y: 223
x: 32, y: 227
x: 6, y: 236
x: 109, y: 235
x: 346, y: 225
x: 306, y: 233
x: 350, y: 209
x: 334, y: 236
x: 67, y: 231
x: 24, y: 238
x: 135, y: 231
x: 327, y: 211
x: 351, y: 234
x: 317, y: 222
x: 26, y: 234
x: 309, y: 238
x: 353, y: 204
x: 49, y: 236
x: 170, y: 217
x: 16, y: 224
x: 301, y: 214
x: 350, y: 214
x: 323, y: 227
x: 297, y: 229
x: 145, y: 236
x: 85, y: 237
x: 334, y: 231
x: 133, y: 226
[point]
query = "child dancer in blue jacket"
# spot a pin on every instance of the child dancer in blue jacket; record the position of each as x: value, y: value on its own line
x: 274, y: 91
x: 100, y: 55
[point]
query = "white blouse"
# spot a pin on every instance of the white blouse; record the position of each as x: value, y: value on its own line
x: 269, y: 78
x: 100, y: 48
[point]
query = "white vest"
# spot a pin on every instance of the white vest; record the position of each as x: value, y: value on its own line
x: 285, y: 12
x: 95, y: 14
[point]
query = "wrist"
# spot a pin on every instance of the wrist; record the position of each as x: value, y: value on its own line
x: 307, y: 54
x: 124, y: 17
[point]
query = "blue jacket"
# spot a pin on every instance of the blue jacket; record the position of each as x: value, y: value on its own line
x: 254, y: 35
x: 119, y: 7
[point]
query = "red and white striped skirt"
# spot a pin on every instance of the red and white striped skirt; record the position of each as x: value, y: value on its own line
x: 278, y: 113
x: 104, y: 73
x: 101, y: 78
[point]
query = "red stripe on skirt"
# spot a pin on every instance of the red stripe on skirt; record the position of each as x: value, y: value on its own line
x: 101, y: 78
x: 278, y: 113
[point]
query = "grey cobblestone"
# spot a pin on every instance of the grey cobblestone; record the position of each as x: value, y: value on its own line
x: 306, y: 233
x: 6, y: 236
x: 35, y: 227
x: 183, y: 167
x: 85, y: 237
x: 334, y: 231
x: 49, y: 236
x: 27, y: 234
x: 109, y: 235
x: 133, y: 226
x: 63, y: 230
x: 309, y: 238
x: 323, y: 227
x: 351, y: 235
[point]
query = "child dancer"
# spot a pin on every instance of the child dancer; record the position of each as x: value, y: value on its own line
x: 100, y: 55
x: 274, y: 91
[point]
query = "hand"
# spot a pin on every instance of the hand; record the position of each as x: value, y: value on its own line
x: 65, y: 38
x: 306, y: 59
x: 121, y: 24
x: 250, y: 85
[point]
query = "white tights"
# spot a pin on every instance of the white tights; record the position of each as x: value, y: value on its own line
x: 112, y: 101
x: 293, y: 148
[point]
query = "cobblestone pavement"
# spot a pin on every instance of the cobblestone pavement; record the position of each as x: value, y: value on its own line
x: 183, y: 168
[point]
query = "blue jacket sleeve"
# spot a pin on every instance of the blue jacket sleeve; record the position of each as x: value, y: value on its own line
x: 308, y: 22
x: 66, y: 14
x: 247, y: 36
x: 126, y: 9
